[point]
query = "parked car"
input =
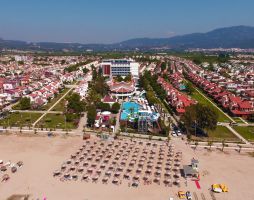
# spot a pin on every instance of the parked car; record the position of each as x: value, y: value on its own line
x: 224, y: 188
x: 181, y: 195
x: 174, y: 134
x: 216, y: 188
x: 174, y: 127
x: 179, y: 133
x: 188, y: 195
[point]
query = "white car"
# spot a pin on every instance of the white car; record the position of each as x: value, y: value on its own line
x: 179, y: 133
x: 174, y: 134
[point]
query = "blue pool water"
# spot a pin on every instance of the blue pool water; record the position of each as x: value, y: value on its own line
x: 126, y: 109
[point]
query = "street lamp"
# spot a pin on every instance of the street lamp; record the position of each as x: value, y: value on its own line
x: 195, y: 128
x: 65, y: 122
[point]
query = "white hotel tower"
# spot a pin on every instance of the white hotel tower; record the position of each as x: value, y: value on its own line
x: 122, y: 67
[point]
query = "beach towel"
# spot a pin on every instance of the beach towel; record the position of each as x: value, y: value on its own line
x: 197, y: 184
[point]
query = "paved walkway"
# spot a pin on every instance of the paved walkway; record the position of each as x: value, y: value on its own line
x: 238, y: 124
x: 37, y: 111
x: 169, y: 115
x: 48, y: 111
x: 117, y: 126
x: 9, y: 107
x: 237, y: 134
x: 243, y: 120
x: 82, y: 123
x: 71, y: 86
x: 39, y: 131
x: 249, y: 149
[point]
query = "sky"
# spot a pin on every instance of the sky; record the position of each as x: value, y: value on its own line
x: 109, y: 21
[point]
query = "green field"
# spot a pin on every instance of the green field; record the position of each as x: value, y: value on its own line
x: 221, y: 133
x: 197, y: 96
x: 55, y: 121
x: 18, y: 119
x: 53, y: 101
x: 238, y: 120
x: 61, y: 105
x: 246, y: 131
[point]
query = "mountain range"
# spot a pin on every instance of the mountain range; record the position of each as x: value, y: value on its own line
x: 230, y: 37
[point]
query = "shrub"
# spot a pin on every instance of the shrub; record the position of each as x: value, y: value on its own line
x: 48, y: 120
x: 115, y: 108
x: 28, y: 119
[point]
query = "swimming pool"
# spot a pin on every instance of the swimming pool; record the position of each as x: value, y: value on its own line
x: 129, y: 108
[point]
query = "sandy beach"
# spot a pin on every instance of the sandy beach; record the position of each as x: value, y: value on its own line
x: 42, y: 156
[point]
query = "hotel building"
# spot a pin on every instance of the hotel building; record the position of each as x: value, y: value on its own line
x: 120, y: 67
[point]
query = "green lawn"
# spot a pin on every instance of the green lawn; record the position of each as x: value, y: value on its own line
x: 53, y: 101
x: 55, y: 121
x: 246, y: 131
x: 197, y: 96
x: 16, y: 106
x: 221, y: 133
x: 61, y: 105
x: 238, y: 120
x: 18, y: 119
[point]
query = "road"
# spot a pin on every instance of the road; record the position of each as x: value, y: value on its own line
x: 48, y: 111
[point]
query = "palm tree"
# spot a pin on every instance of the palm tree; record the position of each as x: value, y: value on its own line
x: 20, y: 128
x: 132, y: 136
x: 210, y: 143
x: 240, y: 148
x: 126, y: 124
x: 150, y: 137
x: 223, y: 145
x: 168, y: 138
x: 189, y: 138
x: 196, y: 144
x: 98, y: 134
x: 117, y: 134
x: 131, y: 111
x: 109, y: 126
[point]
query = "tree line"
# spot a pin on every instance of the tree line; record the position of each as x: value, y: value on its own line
x: 98, y: 88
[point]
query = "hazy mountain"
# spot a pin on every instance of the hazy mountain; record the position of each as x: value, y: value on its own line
x: 237, y: 36
x: 230, y: 37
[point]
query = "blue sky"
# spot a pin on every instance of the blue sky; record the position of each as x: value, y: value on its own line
x: 107, y: 21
